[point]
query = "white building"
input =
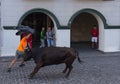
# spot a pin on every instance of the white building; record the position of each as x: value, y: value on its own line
x: 72, y: 21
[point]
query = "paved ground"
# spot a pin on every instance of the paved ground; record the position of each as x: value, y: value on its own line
x: 98, y: 68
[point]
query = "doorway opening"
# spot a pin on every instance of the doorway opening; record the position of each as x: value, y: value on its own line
x: 37, y: 20
x: 81, y: 30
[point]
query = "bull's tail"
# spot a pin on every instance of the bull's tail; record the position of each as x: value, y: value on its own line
x: 77, y: 55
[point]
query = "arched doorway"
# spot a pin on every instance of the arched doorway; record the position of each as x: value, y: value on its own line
x: 38, y: 18
x: 81, y: 29
x: 97, y: 18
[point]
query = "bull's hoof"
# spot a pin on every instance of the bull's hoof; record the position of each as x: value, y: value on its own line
x: 21, y: 65
x: 63, y: 71
x: 67, y: 76
x: 30, y: 77
x: 9, y: 70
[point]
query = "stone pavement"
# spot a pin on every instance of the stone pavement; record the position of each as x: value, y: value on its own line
x: 97, y: 68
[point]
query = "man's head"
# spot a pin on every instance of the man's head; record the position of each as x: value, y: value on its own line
x: 43, y: 28
x: 49, y: 29
x: 95, y: 27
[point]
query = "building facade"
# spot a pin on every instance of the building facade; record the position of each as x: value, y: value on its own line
x: 71, y: 21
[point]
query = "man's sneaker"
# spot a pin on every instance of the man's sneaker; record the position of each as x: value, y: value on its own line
x: 9, y: 70
x: 21, y: 65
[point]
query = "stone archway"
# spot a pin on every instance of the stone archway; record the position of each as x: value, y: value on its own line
x: 100, y: 20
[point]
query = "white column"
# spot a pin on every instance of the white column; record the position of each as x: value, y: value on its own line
x: 63, y: 38
x: 10, y: 42
x: 0, y: 29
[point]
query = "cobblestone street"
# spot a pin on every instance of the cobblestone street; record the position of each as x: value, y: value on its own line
x: 96, y: 69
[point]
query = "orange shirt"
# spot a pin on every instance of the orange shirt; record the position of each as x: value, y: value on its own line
x: 22, y: 45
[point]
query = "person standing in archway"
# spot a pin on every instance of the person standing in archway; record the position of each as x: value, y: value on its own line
x: 42, y: 37
x: 49, y: 36
x: 94, y: 34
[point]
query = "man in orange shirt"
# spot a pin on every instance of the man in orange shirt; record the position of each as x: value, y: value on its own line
x: 20, y: 52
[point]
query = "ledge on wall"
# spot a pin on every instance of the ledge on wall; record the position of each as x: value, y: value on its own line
x: 113, y: 27
x: 63, y: 27
x: 9, y: 27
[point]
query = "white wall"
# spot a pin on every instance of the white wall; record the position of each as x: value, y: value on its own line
x: 9, y: 43
x: 0, y: 40
x: 63, y: 38
x: 63, y: 9
x: 0, y: 30
x: 112, y: 40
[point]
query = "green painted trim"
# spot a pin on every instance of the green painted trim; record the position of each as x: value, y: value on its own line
x: 88, y: 10
x: 106, y: 26
x: 14, y: 27
x: 63, y: 27
x: 9, y: 27
x: 42, y: 11
x: 113, y: 27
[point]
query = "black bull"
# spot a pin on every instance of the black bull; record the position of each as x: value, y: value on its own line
x: 52, y: 55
